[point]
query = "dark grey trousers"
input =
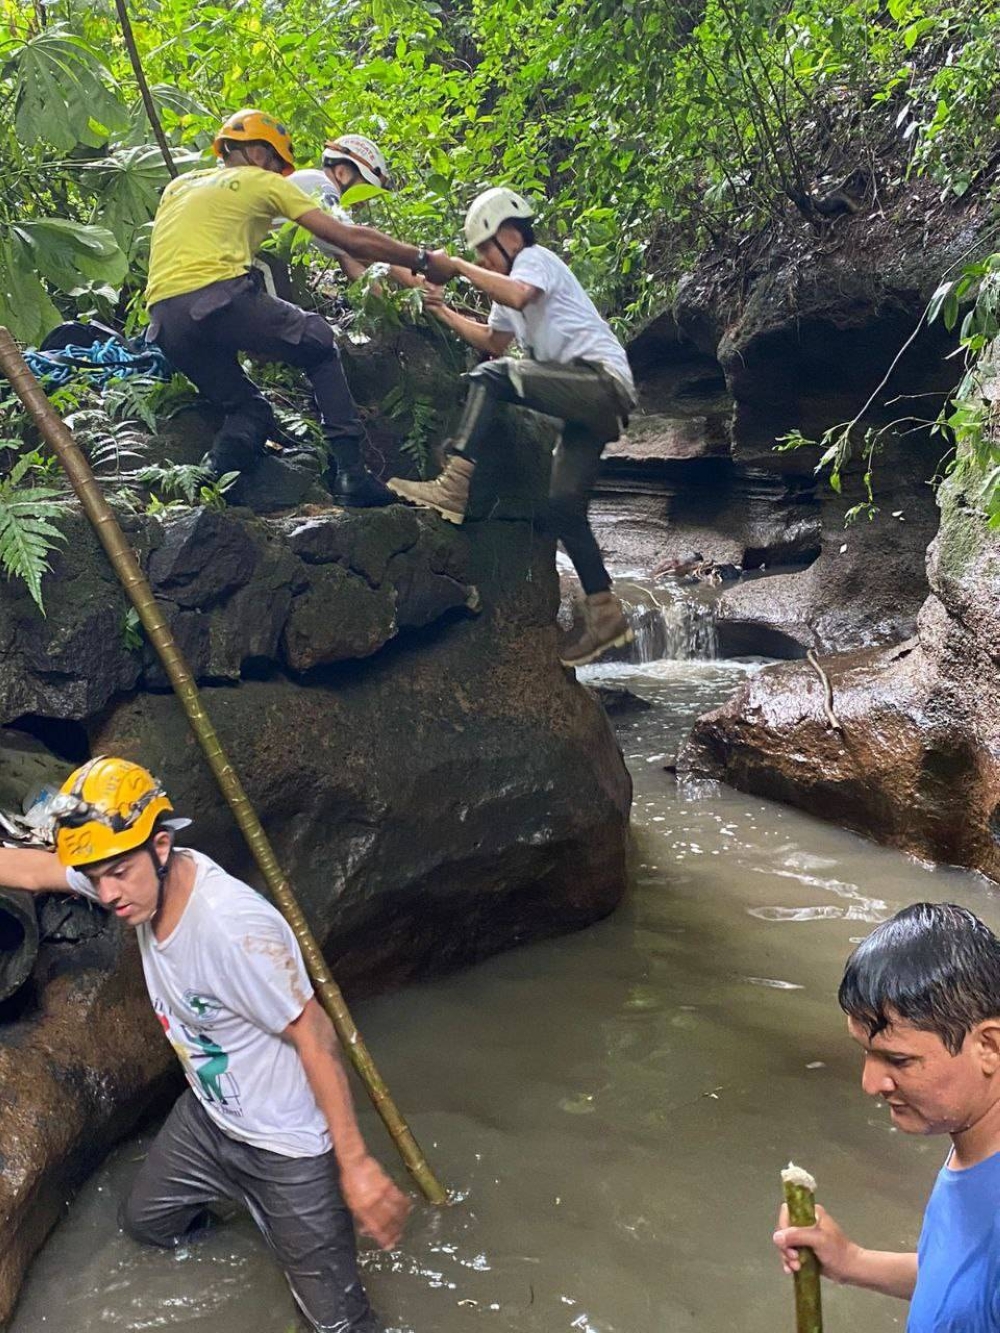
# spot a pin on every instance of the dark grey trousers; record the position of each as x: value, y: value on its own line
x: 203, y: 332
x: 592, y: 406
x: 296, y: 1202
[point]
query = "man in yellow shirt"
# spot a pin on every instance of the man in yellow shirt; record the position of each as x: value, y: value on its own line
x: 207, y: 305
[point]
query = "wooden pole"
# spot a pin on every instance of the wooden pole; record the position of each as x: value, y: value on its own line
x: 144, y: 91
x: 56, y: 434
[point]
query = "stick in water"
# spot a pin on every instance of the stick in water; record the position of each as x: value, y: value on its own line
x: 800, y: 1191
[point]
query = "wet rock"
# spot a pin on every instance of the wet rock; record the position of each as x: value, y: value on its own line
x: 205, y: 556
x: 77, y: 1067
x: 18, y: 940
x: 366, y: 620
x: 617, y: 701
x: 917, y: 763
x: 749, y: 353
x: 280, y: 481
x: 70, y: 662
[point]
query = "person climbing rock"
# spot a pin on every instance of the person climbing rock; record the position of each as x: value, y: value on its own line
x: 922, y: 999
x: 576, y: 371
x: 207, y: 304
x: 267, y: 1119
x: 352, y: 169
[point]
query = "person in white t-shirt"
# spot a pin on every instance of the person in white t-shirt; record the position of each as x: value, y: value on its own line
x: 352, y: 170
x: 576, y: 370
x: 267, y: 1119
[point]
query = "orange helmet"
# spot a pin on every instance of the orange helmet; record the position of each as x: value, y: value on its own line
x: 250, y: 126
x: 104, y: 809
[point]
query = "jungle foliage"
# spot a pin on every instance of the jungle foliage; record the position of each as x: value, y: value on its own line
x: 644, y: 130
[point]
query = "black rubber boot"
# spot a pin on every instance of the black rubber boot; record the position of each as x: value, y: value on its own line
x: 357, y: 487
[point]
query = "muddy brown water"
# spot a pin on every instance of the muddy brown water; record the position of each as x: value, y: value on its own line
x: 612, y: 1108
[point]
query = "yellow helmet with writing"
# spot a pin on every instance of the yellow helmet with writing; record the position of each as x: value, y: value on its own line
x: 106, y: 808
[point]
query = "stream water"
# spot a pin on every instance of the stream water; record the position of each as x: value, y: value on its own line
x: 612, y: 1108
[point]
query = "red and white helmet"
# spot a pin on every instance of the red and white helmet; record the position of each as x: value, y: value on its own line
x: 361, y: 153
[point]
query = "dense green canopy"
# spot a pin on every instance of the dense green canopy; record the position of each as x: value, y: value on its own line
x: 644, y: 129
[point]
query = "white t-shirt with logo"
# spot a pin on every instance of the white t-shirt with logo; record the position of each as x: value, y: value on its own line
x: 225, y: 984
x: 563, y: 323
x: 317, y: 185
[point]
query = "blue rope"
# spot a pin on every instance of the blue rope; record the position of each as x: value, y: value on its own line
x: 98, y: 365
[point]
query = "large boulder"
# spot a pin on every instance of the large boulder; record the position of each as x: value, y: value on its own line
x: 387, y: 686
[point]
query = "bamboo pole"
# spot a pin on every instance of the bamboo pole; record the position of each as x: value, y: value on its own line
x: 800, y: 1191
x: 56, y: 433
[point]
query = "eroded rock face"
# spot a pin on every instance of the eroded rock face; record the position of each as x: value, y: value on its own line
x: 387, y: 686
x: 917, y: 763
x: 747, y: 355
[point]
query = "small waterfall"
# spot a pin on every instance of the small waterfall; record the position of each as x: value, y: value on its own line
x: 669, y: 622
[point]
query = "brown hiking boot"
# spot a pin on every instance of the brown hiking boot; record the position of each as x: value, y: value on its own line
x: 448, y: 493
x: 604, y: 626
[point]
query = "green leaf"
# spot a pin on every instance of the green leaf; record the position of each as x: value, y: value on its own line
x: 73, y: 257
x: 25, y: 306
x: 60, y: 96
x: 27, y: 536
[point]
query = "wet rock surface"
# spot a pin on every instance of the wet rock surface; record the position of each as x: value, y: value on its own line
x: 387, y: 686
x: 916, y: 763
x: 752, y: 350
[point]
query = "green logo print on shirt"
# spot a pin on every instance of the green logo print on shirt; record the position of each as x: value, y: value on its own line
x: 204, y: 1061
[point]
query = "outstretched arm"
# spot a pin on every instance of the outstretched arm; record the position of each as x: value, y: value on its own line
x: 32, y: 869
x: 370, y: 246
x: 379, y: 1208
x: 841, y: 1260
x: 505, y: 291
x: 480, y: 336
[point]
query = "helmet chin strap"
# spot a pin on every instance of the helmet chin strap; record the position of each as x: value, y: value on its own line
x: 162, y: 869
x: 506, y: 254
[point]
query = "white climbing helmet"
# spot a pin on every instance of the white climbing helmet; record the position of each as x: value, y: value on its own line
x: 361, y: 153
x: 490, y: 210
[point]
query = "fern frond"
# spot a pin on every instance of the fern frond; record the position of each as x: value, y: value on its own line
x: 27, y: 538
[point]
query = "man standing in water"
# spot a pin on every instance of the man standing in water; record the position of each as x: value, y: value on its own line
x: 922, y: 998
x: 267, y: 1118
x: 207, y: 305
x: 576, y: 370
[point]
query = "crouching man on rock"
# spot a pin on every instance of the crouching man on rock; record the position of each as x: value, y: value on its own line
x: 922, y: 996
x: 267, y: 1119
x: 575, y: 370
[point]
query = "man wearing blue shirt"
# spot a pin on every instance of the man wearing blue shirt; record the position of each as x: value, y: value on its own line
x: 922, y: 998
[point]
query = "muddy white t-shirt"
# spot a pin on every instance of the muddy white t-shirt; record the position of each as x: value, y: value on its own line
x: 225, y: 984
x: 563, y: 323
x: 317, y: 185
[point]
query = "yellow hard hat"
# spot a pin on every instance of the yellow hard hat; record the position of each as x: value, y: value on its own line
x: 104, y: 809
x: 250, y: 126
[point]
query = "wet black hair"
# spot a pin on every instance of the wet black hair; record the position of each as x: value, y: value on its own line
x: 935, y: 965
x: 523, y: 227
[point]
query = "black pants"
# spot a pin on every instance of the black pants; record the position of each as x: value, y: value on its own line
x: 295, y: 1201
x: 203, y: 333
x: 591, y: 405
